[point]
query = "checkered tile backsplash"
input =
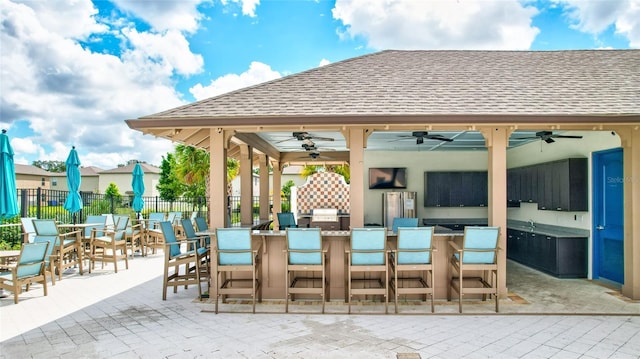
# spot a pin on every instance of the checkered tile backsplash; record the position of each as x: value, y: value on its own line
x: 324, y: 190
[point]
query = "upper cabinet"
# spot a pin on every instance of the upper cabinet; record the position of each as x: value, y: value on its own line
x: 558, y: 186
x: 455, y: 189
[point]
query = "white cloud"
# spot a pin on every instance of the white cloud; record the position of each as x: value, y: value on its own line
x: 442, y: 24
x: 324, y: 62
x: 180, y: 15
x: 56, y: 18
x: 257, y: 73
x: 72, y: 96
x: 248, y: 6
x: 170, y: 47
x: 594, y: 17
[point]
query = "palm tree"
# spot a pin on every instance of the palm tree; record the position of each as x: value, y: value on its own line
x: 233, y: 168
x: 193, y: 168
x: 339, y: 169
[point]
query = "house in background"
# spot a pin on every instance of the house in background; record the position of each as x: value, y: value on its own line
x: 89, y: 183
x: 289, y: 173
x: 122, y: 177
x: 293, y: 173
x: 32, y: 177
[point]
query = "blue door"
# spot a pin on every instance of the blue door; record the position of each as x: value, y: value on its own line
x: 608, y: 215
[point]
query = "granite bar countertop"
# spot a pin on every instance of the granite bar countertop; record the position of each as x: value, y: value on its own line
x: 469, y: 221
x: 547, y: 229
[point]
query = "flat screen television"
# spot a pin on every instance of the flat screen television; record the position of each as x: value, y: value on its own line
x: 395, y: 177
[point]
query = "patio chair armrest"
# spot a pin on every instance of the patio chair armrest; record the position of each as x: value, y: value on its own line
x: 392, y: 247
x: 455, y: 247
x: 68, y: 234
x: 325, y: 247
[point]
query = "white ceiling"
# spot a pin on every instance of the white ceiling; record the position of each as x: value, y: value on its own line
x: 393, y: 141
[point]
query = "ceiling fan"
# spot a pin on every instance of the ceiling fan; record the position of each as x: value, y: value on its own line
x: 421, y: 135
x: 302, y: 136
x: 547, y: 136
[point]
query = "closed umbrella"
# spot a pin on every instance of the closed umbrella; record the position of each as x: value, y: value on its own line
x: 73, y: 203
x: 137, y: 184
x: 8, y: 193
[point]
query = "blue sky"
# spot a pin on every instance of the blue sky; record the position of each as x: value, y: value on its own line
x: 74, y: 70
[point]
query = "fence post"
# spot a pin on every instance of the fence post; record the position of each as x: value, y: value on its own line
x: 38, y: 204
x: 24, y: 203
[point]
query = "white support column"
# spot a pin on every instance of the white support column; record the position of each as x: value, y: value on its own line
x: 357, y: 143
x: 263, y: 171
x: 497, y: 139
x: 217, y: 178
x: 246, y: 185
x: 631, y: 148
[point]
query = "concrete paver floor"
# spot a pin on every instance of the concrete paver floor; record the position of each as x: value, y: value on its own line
x: 103, y: 314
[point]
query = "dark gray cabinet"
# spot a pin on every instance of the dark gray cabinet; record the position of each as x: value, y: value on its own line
x: 558, y: 185
x: 563, y: 257
x: 437, y: 189
x: 456, y: 189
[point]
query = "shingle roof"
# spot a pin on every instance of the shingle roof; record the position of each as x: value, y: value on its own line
x: 32, y: 170
x: 146, y: 168
x: 583, y: 82
x: 90, y: 171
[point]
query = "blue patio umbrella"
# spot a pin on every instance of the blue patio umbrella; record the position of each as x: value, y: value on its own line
x: 8, y: 193
x: 73, y: 203
x: 137, y: 184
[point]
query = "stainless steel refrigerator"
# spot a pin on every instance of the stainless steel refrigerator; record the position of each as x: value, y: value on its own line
x: 398, y: 204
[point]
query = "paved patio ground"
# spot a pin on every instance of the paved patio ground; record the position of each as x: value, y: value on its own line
x: 107, y: 315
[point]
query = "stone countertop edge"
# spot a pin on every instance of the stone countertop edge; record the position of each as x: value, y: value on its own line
x: 547, y: 229
x: 543, y: 229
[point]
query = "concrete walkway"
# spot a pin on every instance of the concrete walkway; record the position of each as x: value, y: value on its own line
x: 107, y: 315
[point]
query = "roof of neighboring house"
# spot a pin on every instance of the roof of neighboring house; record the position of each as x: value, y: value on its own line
x: 32, y: 170
x: 146, y: 168
x: 89, y: 171
x: 434, y: 83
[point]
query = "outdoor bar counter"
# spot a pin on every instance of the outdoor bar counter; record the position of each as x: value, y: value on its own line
x: 273, y: 261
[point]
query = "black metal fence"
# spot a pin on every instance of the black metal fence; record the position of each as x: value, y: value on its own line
x: 42, y: 203
x: 49, y: 204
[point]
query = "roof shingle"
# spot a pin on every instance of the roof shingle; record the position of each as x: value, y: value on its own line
x: 582, y: 82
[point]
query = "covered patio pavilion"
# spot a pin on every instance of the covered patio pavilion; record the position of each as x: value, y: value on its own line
x: 366, y: 102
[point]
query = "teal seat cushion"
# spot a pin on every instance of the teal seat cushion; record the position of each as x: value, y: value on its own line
x: 368, y: 246
x: 234, y: 246
x: 201, y: 251
x: 403, y: 222
x: 480, y: 244
x: 304, y: 239
x: 414, y: 239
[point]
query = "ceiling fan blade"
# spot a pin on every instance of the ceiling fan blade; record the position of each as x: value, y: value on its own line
x: 548, y: 140
x: 567, y: 136
x: 438, y: 137
x: 527, y: 138
x: 322, y: 138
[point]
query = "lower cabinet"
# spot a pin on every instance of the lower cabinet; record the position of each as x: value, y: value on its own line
x: 563, y: 257
x: 343, y: 224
